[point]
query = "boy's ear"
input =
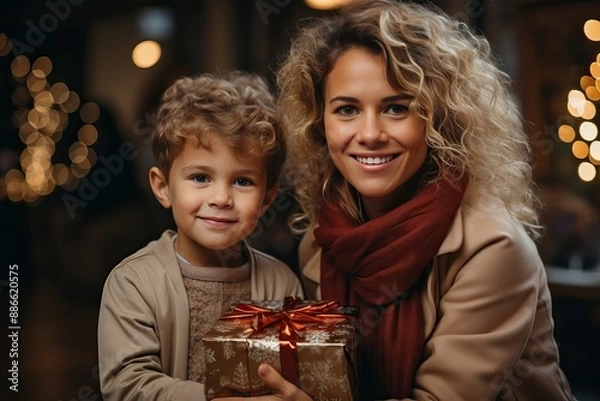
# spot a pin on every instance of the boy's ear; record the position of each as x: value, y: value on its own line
x: 269, y: 198
x: 159, y: 186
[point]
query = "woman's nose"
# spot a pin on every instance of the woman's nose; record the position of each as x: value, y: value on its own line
x: 371, y: 130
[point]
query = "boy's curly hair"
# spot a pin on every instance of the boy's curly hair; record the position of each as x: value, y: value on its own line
x: 237, y: 108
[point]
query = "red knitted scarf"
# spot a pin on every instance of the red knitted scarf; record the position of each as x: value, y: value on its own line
x: 376, y: 266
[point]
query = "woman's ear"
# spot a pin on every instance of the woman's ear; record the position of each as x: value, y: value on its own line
x: 269, y: 198
x: 160, y: 186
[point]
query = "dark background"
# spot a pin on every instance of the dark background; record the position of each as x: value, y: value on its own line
x: 64, y: 250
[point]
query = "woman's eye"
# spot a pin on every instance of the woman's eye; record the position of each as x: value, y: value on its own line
x: 346, y: 110
x: 200, y: 178
x: 243, y: 182
x: 397, y: 109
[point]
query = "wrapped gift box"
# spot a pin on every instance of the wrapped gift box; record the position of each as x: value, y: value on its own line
x: 323, y: 364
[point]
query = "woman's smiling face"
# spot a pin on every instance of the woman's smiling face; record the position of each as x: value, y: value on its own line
x: 375, y: 142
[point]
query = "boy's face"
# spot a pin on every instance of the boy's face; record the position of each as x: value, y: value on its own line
x: 216, y: 199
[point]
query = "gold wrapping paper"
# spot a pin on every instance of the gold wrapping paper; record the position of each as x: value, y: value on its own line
x: 326, y: 350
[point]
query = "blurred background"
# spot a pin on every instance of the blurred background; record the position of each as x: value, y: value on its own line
x: 79, y: 83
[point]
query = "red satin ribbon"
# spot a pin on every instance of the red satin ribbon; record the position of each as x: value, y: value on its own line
x: 291, y: 318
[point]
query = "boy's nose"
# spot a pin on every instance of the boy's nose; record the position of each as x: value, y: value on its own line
x: 220, y: 197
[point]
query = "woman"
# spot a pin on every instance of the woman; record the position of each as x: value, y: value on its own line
x: 412, y: 171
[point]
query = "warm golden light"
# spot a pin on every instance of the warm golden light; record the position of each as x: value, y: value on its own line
x: 60, y: 173
x: 591, y: 28
x: 326, y: 4
x: 79, y: 171
x: 586, y: 171
x: 42, y: 67
x: 24, y: 131
x: 592, y: 93
x: 576, y: 103
x: 145, y: 54
x: 52, y: 125
x: 580, y: 149
x: 20, y: 66
x: 589, y: 110
x: 87, y: 134
x: 56, y: 136
x: 63, y: 120
x: 71, y: 104
x: 60, y: 92
x: 566, y: 133
x: 5, y: 45
x: 92, y: 157
x: 43, y: 100
x: 29, y: 194
x: 41, y: 114
x: 31, y: 138
x: 84, y: 166
x: 89, y: 113
x: 588, y: 131
x: 586, y: 81
x: 595, y: 150
x: 14, y: 184
x: 595, y: 70
x: 78, y: 152
x: 26, y: 158
x: 35, y: 176
x: 38, y: 119
x: 36, y: 84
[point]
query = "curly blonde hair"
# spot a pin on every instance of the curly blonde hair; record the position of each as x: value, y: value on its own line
x: 473, y: 123
x: 237, y: 108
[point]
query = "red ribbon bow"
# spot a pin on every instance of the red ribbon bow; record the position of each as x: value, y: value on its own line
x: 291, y: 318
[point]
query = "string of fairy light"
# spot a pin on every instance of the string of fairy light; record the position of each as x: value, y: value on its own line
x: 43, y: 108
x: 581, y: 104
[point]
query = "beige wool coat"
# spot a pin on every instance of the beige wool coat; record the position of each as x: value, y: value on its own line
x: 487, y: 309
x: 143, y: 326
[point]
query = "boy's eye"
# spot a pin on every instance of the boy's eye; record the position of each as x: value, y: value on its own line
x: 346, y: 110
x: 243, y: 182
x: 200, y: 178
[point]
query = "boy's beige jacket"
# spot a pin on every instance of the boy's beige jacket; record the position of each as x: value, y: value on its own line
x: 143, y: 327
x: 488, y: 324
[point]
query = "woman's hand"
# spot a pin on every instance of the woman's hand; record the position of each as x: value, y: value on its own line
x: 282, y: 389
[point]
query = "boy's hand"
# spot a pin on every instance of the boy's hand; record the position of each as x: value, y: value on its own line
x: 282, y: 389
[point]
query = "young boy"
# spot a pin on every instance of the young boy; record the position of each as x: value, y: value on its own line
x: 218, y: 150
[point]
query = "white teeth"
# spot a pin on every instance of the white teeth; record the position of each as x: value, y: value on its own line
x: 374, y: 160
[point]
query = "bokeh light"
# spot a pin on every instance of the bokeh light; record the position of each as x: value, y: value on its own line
x: 20, y: 66
x: 89, y: 113
x: 5, y: 45
x: 576, y: 103
x: 595, y: 150
x: 566, y: 133
x: 146, y: 54
x: 326, y: 4
x: 591, y: 28
x: 42, y: 67
x: 580, y: 149
x: 586, y: 171
x: 588, y: 131
x: 87, y: 134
